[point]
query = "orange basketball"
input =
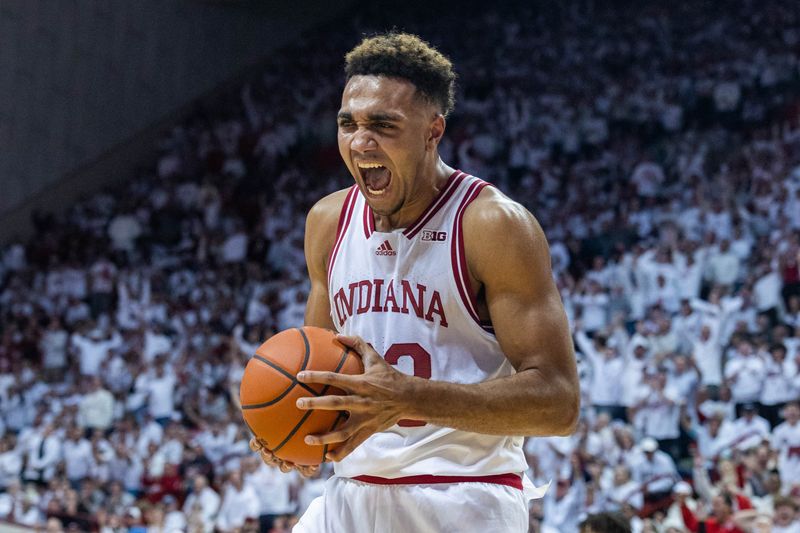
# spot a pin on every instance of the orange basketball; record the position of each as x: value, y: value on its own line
x: 270, y: 389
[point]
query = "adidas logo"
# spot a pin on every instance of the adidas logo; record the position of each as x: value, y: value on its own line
x: 385, y: 249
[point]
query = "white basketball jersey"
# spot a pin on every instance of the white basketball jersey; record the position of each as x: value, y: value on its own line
x: 407, y: 293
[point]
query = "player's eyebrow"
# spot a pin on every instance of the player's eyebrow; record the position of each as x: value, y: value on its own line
x: 384, y: 116
x: 378, y: 116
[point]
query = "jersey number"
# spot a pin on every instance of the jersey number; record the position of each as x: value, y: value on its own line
x: 422, y: 367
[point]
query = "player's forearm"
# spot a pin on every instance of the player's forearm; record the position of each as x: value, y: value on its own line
x: 522, y: 404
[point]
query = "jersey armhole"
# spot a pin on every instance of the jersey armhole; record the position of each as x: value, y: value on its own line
x: 459, y: 260
x: 341, y: 229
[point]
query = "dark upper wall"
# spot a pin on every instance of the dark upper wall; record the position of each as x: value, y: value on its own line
x: 78, y: 77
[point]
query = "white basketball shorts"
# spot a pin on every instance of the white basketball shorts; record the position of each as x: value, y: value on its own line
x: 350, y: 506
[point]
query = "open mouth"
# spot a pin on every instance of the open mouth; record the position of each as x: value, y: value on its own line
x: 376, y: 177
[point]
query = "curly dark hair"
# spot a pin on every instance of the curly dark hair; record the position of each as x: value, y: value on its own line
x: 406, y: 56
x: 605, y: 523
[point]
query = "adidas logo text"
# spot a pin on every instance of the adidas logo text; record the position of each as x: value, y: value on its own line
x: 385, y: 249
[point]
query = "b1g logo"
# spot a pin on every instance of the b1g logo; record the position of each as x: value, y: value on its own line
x: 434, y: 236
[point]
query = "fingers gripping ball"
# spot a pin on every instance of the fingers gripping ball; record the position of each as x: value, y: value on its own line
x: 270, y: 390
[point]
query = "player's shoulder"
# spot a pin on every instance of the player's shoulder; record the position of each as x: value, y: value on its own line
x: 494, y: 215
x: 325, y: 213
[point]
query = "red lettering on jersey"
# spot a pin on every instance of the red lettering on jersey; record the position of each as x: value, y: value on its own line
x: 390, y: 296
x: 345, y: 305
x: 409, y: 295
x: 377, y: 307
x: 436, y: 307
x: 364, y: 296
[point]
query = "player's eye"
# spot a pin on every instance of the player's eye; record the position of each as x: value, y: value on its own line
x: 384, y: 125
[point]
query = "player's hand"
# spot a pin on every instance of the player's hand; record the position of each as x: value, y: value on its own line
x: 259, y: 446
x: 375, y: 402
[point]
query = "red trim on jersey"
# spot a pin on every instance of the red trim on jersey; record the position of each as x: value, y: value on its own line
x: 444, y: 194
x: 341, y: 229
x: 369, y: 220
x: 509, y: 480
x: 459, y: 258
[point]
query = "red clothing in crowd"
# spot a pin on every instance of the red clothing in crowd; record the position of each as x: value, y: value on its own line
x: 691, y: 522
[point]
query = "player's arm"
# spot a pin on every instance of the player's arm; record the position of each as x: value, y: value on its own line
x: 508, y: 255
x: 321, y: 224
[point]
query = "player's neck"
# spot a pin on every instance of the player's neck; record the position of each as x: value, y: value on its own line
x: 427, y: 187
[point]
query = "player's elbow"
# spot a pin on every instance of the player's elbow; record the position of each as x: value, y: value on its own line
x: 568, y: 414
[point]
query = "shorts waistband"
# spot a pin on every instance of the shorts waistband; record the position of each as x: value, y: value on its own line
x: 509, y: 480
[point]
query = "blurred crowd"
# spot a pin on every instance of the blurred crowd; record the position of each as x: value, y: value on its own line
x: 659, y: 147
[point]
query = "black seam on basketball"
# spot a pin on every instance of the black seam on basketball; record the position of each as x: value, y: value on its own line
x: 338, y: 367
x: 276, y: 367
x: 287, y: 374
x: 309, y: 389
x: 274, y: 400
x: 308, y: 349
x: 293, y: 431
x: 342, y: 359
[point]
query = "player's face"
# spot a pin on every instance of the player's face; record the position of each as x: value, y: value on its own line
x: 385, y: 139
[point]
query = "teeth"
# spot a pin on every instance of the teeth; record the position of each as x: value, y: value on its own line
x: 369, y: 165
x: 373, y: 191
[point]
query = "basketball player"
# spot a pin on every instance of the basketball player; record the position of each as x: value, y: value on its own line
x: 443, y: 285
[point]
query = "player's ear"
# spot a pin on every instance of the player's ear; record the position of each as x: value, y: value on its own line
x: 435, y: 132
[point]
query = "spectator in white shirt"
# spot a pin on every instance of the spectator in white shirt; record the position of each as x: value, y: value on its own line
x: 690, y: 278
x: 239, y: 503
x: 273, y: 487
x: 723, y: 265
x: 607, y: 367
x: 664, y: 341
x: 786, y: 441
x: 44, y: 453
x: 714, y: 436
x: 174, y: 519
x: 707, y: 354
x: 658, y: 412
x: 665, y: 295
x: 655, y: 471
x: 683, y: 378
x: 93, y: 349
x: 594, y: 304
x: 78, y: 456
x: 686, y: 325
x: 25, y: 511
x: 562, y: 506
x: 161, y: 393
x: 96, y: 410
x: 744, y: 373
x: 54, y: 349
x: 767, y: 290
x: 202, y: 501
x: 781, y: 375
x: 633, y: 374
x: 749, y: 429
x: 10, y: 462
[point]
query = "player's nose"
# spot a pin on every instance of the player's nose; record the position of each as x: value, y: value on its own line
x: 363, y: 140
